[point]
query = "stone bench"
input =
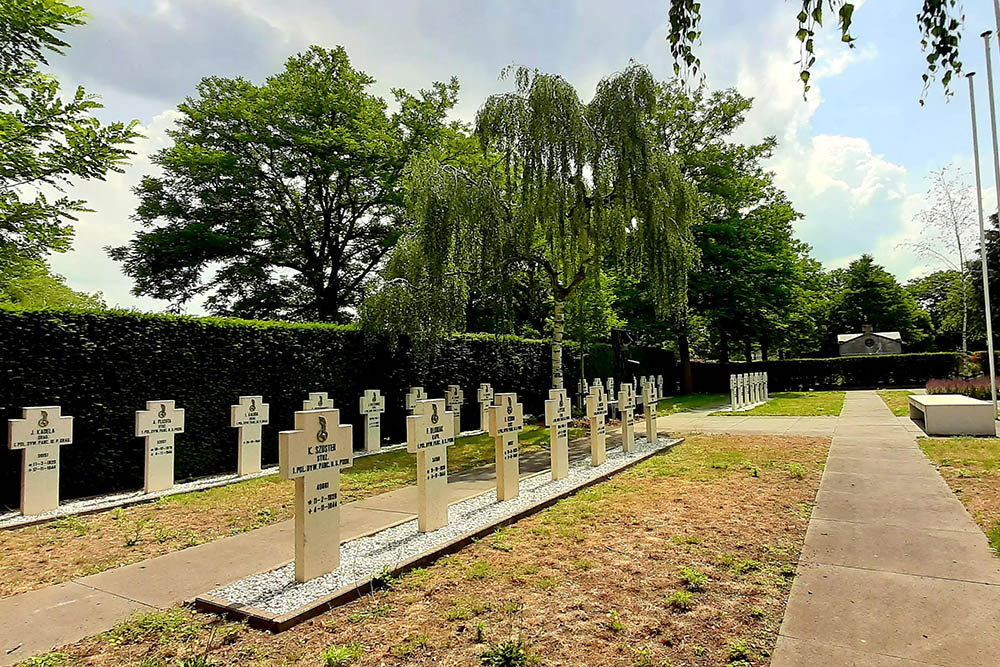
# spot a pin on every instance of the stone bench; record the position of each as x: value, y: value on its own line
x: 953, y: 414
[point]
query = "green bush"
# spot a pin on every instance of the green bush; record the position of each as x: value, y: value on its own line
x: 874, y: 371
x: 103, y: 366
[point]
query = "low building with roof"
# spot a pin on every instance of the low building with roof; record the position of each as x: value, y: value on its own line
x: 869, y: 342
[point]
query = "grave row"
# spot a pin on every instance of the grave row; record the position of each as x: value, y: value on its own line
x: 43, y: 430
x: 747, y: 390
x: 319, y: 448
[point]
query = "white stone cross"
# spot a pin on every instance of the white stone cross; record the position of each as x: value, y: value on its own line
x: 372, y: 405
x: 313, y: 455
x: 649, y: 398
x: 626, y: 406
x: 158, y: 424
x: 659, y: 386
x: 597, y: 410
x: 506, y: 421
x: 40, y: 433
x: 248, y: 417
x: 413, y: 396
x: 612, y: 400
x: 429, y: 431
x: 485, y: 396
x: 558, y: 415
x: 767, y: 396
x: 318, y: 400
x: 733, y: 405
x: 741, y: 389
x: 453, y: 399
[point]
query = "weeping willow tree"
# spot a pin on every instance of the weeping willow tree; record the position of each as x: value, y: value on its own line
x: 561, y: 188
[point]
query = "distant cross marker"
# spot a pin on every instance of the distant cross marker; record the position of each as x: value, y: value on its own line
x: 39, y: 433
x: 313, y: 455
x: 611, y: 398
x: 429, y: 432
x: 649, y: 399
x: 454, y: 398
x: 733, y: 403
x: 506, y: 421
x: 318, y: 400
x: 413, y: 396
x: 249, y: 416
x: 659, y: 386
x: 597, y: 410
x: 372, y: 406
x: 485, y: 396
x: 558, y: 415
x: 158, y: 424
x: 626, y: 406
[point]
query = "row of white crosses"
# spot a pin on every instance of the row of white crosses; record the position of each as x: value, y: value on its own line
x: 747, y: 390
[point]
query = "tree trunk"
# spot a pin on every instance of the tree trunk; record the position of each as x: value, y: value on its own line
x: 558, y: 329
x: 723, y: 345
x: 748, y: 350
x: 687, y: 380
x: 764, y: 348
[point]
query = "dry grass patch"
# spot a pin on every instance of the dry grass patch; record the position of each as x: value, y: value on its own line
x: 685, y: 559
x: 63, y: 549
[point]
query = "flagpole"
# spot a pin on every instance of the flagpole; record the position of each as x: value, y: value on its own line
x: 982, y: 233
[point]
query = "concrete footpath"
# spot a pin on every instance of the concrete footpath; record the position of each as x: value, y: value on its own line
x: 893, y: 571
x: 41, y: 620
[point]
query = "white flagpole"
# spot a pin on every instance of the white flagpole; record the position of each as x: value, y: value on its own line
x: 982, y: 232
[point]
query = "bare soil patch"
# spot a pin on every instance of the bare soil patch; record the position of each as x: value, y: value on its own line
x: 685, y: 559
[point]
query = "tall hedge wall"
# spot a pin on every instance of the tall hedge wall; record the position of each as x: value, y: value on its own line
x: 889, y: 370
x: 102, y: 367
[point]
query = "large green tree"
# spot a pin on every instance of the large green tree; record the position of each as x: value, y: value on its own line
x: 945, y: 295
x: 865, y: 293
x: 565, y: 189
x: 47, y: 140
x: 281, y: 199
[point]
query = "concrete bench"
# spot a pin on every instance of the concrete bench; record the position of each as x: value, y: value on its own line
x: 953, y: 414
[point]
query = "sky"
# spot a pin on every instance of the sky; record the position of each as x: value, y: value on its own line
x: 853, y: 157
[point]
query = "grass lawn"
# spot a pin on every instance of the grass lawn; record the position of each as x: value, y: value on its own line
x: 897, y: 400
x: 797, y: 404
x: 59, y: 550
x: 971, y: 467
x: 685, y: 559
x: 672, y: 404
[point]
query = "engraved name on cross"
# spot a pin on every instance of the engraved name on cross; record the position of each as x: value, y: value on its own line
x: 248, y: 417
x: 506, y: 421
x: 429, y: 431
x: 454, y: 398
x: 597, y: 410
x: 558, y: 415
x: 313, y: 455
x: 158, y: 424
x: 40, y: 433
x: 372, y: 406
x: 485, y: 396
x: 626, y: 406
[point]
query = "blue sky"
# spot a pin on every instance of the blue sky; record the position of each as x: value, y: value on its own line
x: 853, y: 157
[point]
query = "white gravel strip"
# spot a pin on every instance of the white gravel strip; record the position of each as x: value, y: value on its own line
x: 362, y: 559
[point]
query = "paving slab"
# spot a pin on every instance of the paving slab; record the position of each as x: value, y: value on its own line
x: 903, y: 550
x: 940, y: 621
x: 877, y: 465
x: 876, y: 485
x: 908, y: 509
x: 35, y: 622
x: 803, y: 652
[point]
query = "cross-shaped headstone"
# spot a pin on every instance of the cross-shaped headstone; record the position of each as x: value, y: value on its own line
x: 40, y: 432
x: 626, y: 406
x: 158, y: 424
x: 756, y: 388
x: 767, y: 395
x: 372, y: 405
x: 741, y: 389
x: 612, y: 399
x: 506, y: 421
x: 313, y: 455
x: 429, y: 431
x: 597, y: 410
x: 248, y: 417
x: 733, y: 405
x: 558, y: 415
x: 318, y: 400
x: 485, y: 396
x: 649, y: 400
x: 413, y: 396
x: 453, y: 399
x: 659, y: 385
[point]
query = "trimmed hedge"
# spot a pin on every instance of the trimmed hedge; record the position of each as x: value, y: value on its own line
x: 861, y: 372
x: 102, y: 367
